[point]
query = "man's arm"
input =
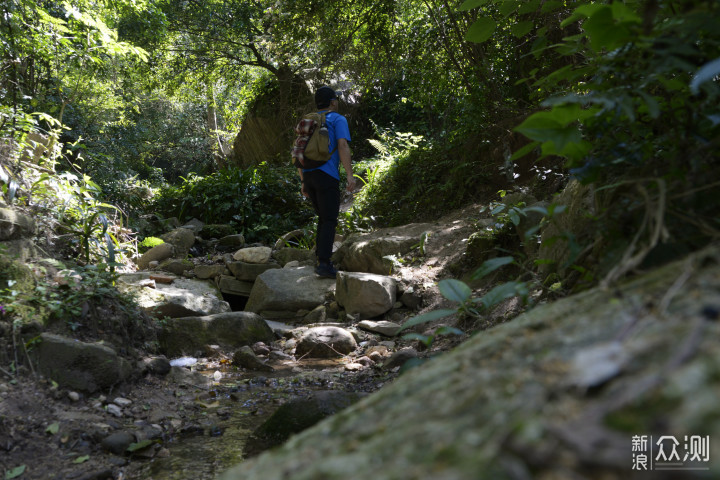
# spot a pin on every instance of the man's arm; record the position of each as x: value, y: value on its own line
x: 346, y: 160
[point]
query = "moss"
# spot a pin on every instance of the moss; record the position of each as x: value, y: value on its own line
x: 644, y: 415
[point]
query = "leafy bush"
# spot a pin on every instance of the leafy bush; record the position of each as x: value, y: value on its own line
x: 262, y: 203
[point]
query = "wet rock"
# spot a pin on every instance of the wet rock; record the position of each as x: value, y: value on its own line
x: 289, y: 290
x: 181, y: 238
x: 364, y: 293
x: 354, y: 367
x: 117, y: 442
x: 183, y: 376
x: 245, y: 358
x: 325, y: 342
x: 253, y: 255
x: 182, y: 336
x: 399, y: 358
x: 295, y: 416
x: 388, y: 329
x: 87, y: 367
x: 122, y: 402
x: 279, y: 356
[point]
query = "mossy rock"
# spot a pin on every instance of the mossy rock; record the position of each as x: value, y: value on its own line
x: 480, y: 246
x: 22, y: 289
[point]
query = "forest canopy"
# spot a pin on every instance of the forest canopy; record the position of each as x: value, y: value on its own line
x: 145, y: 98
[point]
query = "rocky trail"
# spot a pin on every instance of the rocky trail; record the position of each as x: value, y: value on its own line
x: 246, y: 330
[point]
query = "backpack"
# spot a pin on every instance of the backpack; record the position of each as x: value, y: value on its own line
x: 312, y: 144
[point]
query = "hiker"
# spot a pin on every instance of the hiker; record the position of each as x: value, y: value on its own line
x: 321, y: 184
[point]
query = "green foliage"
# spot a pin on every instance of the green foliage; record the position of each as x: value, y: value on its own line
x: 468, y: 306
x: 261, y: 203
x: 149, y: 242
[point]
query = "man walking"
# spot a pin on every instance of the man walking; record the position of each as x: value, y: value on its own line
x: 321, y: 184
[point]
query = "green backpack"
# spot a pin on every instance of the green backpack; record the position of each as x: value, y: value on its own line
x: 312, y: 144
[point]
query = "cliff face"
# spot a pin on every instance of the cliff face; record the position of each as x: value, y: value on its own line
x: 565, y: 389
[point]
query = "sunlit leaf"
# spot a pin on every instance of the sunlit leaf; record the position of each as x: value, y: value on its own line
x: 454, y: 290
x: 53, y: 428
x: 134, y: 447
x: 481, y: 30
x: 82, y: 459
x: 14, y: 472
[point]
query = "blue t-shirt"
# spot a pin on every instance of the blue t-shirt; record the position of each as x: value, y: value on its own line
x: 337, y: 128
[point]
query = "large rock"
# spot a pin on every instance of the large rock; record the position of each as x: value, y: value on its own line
x: 503, y: 404
x: 87, y: 367
x: 231, y: 330
x: 365, y: 293
x: 233, y: 286
x: 287, y: 254
x: 158, y: 253
x: 181, y: 238
x: 288, y: 290
x: 210, y: 271
x: 325, y: 342
x: 14, y: 225
x: 296, y: 415
x: 248, y: 272
x: 253, y: 255
x: 364, y: 252
x: 182, y: 298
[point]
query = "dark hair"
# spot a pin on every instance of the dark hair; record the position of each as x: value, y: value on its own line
x: 323, y: 96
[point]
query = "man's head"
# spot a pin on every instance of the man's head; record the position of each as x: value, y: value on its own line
x: 324, y: 97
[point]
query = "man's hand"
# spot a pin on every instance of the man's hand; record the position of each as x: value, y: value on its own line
x: 350, y: 183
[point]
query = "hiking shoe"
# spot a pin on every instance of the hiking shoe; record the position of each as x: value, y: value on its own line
x: 326, y: 270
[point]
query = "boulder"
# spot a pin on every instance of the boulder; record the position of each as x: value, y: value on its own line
x: 187, y: 335
x: 388, y: 329
x: 364, y: 252
x: 14, y: 225
x: 194, y: 225
x: 248, y: 272
x: 233, y: 286
x: 158, y: 253
x: 176, y: 266
x: 232, y: 241
x: 366, y: 294
x: 210, y: 271
x: 181, y: 238
x: 286, y: 255
x: 325, y: 342
x: 183, y: 376
x: 288, y: 290
x: 295, y: 416
x: 253, y: 255
x: 245, y: 357
x: 86, y: 367
x: 184, y: 297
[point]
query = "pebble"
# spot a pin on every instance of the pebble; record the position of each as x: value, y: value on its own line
x: 122, y: 402
x: 74, y: 396
x: 114, y: 410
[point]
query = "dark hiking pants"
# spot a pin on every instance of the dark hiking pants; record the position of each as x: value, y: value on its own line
x: 324, y: 192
